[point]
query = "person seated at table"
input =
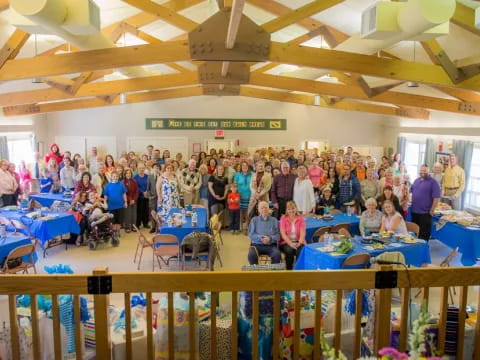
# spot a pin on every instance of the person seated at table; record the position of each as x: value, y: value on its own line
x: 45, y: 182
x: 387, y: 194
x: 371, y: 219
x: 292, y: 232
x: 264, y: 235
x: 56, y: 187
x: 78, y: 206
x: 326, y: 200
x: 392, y: 219
x: 84, y: 184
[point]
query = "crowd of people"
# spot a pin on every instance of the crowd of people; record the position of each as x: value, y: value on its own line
x: 264, y: 193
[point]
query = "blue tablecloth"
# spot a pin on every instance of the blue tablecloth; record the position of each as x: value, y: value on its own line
x: 187, y: 228
x: 313, y: 224
x: 47, y: 199
x: 13, y: 241
x: 44, y: 230
x: 454, y: 235
x: 312, y: 259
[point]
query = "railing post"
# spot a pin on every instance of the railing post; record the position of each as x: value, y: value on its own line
x: 385, y: 281
x: 100, y: 285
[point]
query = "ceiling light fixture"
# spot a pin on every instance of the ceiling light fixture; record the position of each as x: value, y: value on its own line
x: 413, y: 84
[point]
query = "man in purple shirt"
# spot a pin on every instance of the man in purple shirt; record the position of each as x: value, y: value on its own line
x: 282, y: 188
x: 425, y: 196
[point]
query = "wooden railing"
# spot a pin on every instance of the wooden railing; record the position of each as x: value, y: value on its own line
x: 101, y: 283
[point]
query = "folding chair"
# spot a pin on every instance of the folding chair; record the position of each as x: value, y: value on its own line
x: 142, y: 243
x: 319, y: 234
x: 362, y: 261
x: 18, y: 253
x: 168, y: 248
x: 412, y: 227
x: 216, y: 228
x: 336, y: 228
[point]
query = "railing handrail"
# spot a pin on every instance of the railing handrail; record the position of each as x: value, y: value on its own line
x: 239, y: 280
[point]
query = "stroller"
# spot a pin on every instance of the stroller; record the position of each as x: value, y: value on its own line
x: 101, y: 231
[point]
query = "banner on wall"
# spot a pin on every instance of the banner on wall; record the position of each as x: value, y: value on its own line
x: 213, y: 124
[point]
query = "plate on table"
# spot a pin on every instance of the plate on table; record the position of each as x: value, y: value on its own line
x: 409, y: 241
x: 327, y: 249
x: 396, y: 245
x: 327, y: 217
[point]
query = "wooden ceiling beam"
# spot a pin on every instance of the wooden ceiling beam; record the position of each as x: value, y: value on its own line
x: 464, y: 95
x: 389, y: 97
x: 100, y: 88
x: 93, y: 60
x: 299, y: 14
x: 13, y: 45
x: 97, y: 102
x: 366, y: 65
x: 4, y: 5
x: 164, y: 13
x: 304, y: 99
x: 464, y: 17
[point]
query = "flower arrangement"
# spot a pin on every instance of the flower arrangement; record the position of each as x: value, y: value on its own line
x: 417, y: 342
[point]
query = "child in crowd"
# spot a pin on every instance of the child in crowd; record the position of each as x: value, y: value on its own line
x: 56, y: 186
x: 233, y: 200
x: 94, y: 210
x: 45, y: 182
x: 115, y: 194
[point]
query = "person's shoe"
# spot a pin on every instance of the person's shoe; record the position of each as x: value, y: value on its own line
x: 128, y: 231
x: 78, y: 242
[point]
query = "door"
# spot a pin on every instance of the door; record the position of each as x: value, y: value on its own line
x: 219, y: 144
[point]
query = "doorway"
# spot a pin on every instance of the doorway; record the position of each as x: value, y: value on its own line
x: 219, y: 144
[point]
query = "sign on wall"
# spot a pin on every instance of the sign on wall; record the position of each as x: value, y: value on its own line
x: 213, y: 124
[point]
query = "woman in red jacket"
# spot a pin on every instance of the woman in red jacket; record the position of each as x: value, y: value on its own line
x: 54, y: 154
x: 130, y: 214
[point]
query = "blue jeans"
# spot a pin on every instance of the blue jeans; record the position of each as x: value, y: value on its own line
x: 269, y: 250
x: 234, y: 219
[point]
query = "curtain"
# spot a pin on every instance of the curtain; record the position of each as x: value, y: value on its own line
x: 464, y: 151
x: 430, y: 148
x: 4, y: 148
x: 401, y: 146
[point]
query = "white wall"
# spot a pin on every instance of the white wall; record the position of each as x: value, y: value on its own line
x: 303, y: 122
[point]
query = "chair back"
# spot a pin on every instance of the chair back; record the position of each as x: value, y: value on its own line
x: 446, y: 262
x: 344, y: 232
x: 165, y: 239
x: 21, y: 251
x: 336, y: 228
x: 319, y: 232
x: 335, y: 211
x: 215, y: 224
x: 158, y: 223
x: 395, y: 256
x: 142, y: 239
x: 358, y: 260
x: 412, y: 227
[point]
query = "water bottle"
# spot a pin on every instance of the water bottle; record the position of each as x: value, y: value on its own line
x: 194, y: 219
x: 169, y: 221
x: 328, y: 239
x: 349, y: 211
x: 184, y: 216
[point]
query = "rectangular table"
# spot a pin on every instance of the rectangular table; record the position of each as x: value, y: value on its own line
x: 313, y: 259
x: 44, y: 230
x: 187, y: 228
x: 47, y: 199
x: 313, y: 224
x: 12, y: 241
x: 465, y: 238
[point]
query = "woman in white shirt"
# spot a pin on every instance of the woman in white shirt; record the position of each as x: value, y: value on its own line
x: 303, y: 192
x: 392, y: 220
x: 67, y: 174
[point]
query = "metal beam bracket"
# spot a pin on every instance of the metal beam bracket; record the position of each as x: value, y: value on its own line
x: 207, y: 41
x: 211, y: 73
x: 455, y: 74
x: 219, y: 90
x: 99, y: 285
x: 386, y: 279
x: 472, y: 108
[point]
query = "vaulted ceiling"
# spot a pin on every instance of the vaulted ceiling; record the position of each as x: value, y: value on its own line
x: 305, y: 62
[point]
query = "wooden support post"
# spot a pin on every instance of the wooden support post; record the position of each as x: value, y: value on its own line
x: 102, y: 327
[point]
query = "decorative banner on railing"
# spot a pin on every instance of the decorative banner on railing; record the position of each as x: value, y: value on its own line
x: 213, y: 124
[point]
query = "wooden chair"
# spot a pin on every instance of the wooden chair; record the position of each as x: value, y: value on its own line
x: 319, y: 234
x: 335, y: 211
x: 344, y: 232
x: 263, y: 259
x: 216, y: 229
x: 336, y: 228
x: 168, y: 248
x: 360, y: 260
x: 142, y: 243
x: 20, y: 252
x: 412, y: 227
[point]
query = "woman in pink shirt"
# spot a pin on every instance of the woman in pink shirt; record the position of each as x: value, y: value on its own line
x: 315, y: 174
x: 292, y: 233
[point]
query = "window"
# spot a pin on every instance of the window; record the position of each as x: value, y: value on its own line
x: 414, y: 158
x: 20, y: 149
x: 472, y: 197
